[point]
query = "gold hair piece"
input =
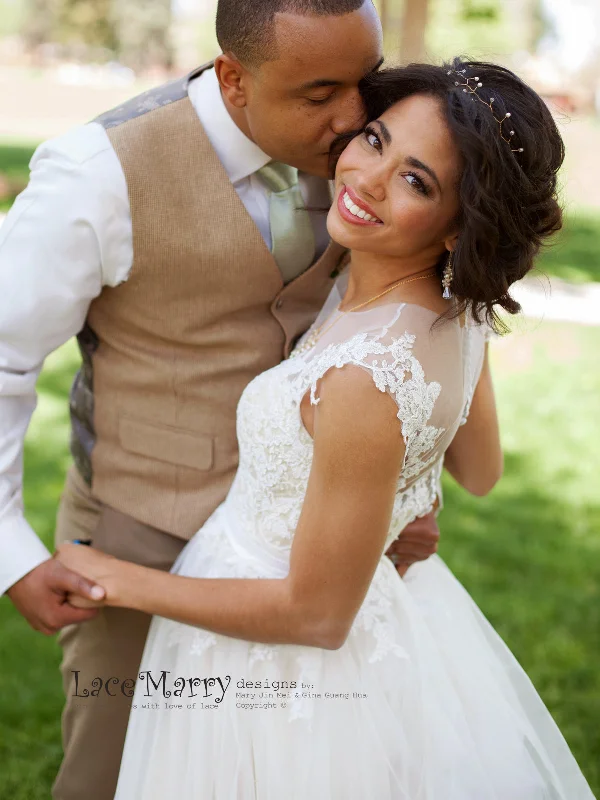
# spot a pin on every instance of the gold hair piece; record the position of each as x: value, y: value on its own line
x: 468, y: 88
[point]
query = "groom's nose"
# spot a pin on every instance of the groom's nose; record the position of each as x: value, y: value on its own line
x: 349, y: 114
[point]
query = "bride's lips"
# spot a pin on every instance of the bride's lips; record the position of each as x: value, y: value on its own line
x: 347, y: 197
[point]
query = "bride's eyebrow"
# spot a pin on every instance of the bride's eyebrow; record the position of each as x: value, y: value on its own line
x: 414, y: 162
x: 387, y: 136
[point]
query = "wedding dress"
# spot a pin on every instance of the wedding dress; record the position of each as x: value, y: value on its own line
x: 423, y: 701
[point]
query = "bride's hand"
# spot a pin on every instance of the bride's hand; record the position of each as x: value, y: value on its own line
x: 417, y: 542
x: 92, y: 564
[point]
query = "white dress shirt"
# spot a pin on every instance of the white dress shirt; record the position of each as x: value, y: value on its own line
x: 66, y: 237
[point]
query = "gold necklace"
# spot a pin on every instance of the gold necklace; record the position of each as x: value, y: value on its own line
x: 319, y: 332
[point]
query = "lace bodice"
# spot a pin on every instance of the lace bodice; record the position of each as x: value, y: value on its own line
x: 430, y: 374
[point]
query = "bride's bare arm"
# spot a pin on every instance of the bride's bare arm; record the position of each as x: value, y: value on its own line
x: 475, y: 456
x: 337, y: 545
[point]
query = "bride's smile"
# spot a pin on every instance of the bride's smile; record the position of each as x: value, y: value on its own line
x: 355, y: 210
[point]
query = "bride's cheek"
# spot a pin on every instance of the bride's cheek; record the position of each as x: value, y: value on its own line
x: 410, y: 217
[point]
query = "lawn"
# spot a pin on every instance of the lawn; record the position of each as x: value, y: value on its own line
x: 574, y: 256
x: 14, y: 170
x: 529, y: 553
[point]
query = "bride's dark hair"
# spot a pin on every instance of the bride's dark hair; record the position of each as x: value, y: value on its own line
x: 508, y: 200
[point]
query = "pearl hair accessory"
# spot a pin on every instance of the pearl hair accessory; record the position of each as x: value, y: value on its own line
x: 467, y: 87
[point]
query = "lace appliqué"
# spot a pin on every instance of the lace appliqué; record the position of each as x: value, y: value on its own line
x: 402, y: 376
x: 374, y: 617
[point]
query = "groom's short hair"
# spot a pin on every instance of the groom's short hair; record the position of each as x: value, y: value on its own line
x: 246, y: 28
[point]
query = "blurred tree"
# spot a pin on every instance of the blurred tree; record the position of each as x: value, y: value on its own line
x: 40, y: 23
x: 414, y: 27
x: 12, y: 17
x: 539, y: 23
x: 138, y: 32
x: 86, y: 22
x: 144, y: 33
x: 481, y: 29
x: 479, y: 10
x: 382, y: 7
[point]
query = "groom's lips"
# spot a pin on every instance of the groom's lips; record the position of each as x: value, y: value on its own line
x: 356, y: 202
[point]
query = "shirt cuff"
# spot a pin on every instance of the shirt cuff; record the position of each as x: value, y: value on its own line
x: 21, y: 550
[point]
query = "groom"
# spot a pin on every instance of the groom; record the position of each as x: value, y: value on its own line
x: 178, y: 237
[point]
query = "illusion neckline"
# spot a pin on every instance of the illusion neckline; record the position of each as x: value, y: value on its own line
x: 389, y: 304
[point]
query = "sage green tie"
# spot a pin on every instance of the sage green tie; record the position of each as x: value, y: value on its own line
x: 293, y: 240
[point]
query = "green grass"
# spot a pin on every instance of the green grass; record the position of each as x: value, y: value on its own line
x: 573, y: 256
x: 14, y: 170
x: 31, y: 696
x: 529, y: 553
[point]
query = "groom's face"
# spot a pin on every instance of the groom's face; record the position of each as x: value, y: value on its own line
x: 296, y: 105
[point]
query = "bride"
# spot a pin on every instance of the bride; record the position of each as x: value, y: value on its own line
x: 287, y: 659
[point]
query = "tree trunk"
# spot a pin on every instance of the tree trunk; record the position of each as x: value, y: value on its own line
x: 383, y: 14
x: 414, y: 25
x: 144, y: 33
x: 40, y: 25
x: 86, y: 23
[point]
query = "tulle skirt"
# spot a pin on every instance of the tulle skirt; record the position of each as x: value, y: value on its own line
x: 423, y: 701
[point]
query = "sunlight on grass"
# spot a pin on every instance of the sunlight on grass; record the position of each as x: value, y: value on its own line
x: 14, y: 170
x: 575, y: 254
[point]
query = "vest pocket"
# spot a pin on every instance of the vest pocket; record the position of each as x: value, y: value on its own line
x: 183, y: 448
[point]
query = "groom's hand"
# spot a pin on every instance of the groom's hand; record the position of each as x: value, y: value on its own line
x: 417, y: 542
x: 42, y: 597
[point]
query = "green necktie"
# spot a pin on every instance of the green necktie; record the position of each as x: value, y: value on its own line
x: 293, y: 240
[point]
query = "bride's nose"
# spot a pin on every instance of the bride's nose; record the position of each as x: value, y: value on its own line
x: 371, y: 183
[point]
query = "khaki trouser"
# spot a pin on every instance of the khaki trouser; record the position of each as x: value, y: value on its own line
x: 108, y: 646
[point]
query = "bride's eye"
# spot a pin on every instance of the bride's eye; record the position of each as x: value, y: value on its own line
x: 416, y: 182
x: 372, y: 139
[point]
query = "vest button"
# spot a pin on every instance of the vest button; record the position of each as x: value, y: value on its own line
x: 279, y: 304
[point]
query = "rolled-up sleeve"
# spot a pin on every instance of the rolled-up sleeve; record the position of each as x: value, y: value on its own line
x: 67, y: 235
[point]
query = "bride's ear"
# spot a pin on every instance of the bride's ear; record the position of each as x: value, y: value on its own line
x: 230, y: 74
x: 450, y: 242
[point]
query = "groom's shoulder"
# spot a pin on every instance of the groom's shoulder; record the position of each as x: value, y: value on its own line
x: 144, y: 103
x: 78, y: 146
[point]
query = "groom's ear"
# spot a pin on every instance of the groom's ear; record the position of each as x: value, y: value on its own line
x: 231, y: 75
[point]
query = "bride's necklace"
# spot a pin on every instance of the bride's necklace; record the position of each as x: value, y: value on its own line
x: 321, y: 331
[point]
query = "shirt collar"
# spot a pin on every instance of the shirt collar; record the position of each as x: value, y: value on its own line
x: 238, y: 154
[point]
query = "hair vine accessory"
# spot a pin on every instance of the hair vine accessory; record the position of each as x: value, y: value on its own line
x: 447, y: 277
x: 467, y: 87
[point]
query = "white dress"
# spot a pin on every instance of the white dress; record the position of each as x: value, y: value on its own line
x: 423, y: 701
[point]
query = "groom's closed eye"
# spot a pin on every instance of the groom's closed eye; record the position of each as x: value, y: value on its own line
x: 320, y: 101
x: 323, y: 83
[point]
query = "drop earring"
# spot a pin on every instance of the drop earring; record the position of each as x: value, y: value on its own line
x: 447, y: 278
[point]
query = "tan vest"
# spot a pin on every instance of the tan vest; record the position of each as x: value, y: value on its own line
x: 168, y: 353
